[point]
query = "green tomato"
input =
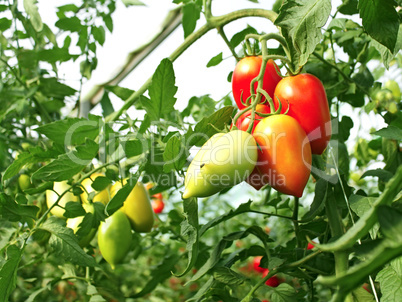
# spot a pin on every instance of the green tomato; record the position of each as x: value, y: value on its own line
x: 51, y: 198
x: 114, y: 238
x: 194, y: 183
x: 394, y: 88
x: 24, y: 182
x: 225, y: 160
x: 137, y: 207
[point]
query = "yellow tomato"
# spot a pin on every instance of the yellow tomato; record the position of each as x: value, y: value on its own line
x: 51, y: 198
x: 137, y: 207
x: 102, y: 196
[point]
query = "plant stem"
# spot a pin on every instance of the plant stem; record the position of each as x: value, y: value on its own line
x: 225, y: 38
x: 213, y: 22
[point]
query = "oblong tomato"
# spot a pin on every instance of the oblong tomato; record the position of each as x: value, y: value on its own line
x: 244, y: 120
x: 305, y: 97
x: 245, y: 71
x: 284, y: 154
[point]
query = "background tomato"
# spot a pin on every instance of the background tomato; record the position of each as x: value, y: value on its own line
x: 244, y: 120
x: 24, y: 182
x: 114, y: 238
x: 102, y: 196
x: 306, y: 99
x: 137, y: 207
x: 256, y: 264
x: 246, y: 70
x: 273, y: 281
x: 284, y: 160
x: 157, y: 203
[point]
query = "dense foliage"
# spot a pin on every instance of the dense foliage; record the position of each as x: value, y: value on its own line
x: 205, y: 249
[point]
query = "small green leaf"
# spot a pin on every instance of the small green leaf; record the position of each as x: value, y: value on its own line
x: 132, y: 2
x: 5, y: 24
x: 380, y: 173
x: 8, y: 272
x: 161, y: 91
x: 107, y: 107
x: 240, y: 36
x: 391, y: 223
x: 215, y: 60
x: 135, y: 147
x: 380, y: 20
x: 390, y: 279
x: 13, y: 211
x: 72, y: 24
x: 174, y: 155
x: 121, y: 92
x: 32, y: 10
x: 283, y: 293
x: 100, y: 183
x: 390, y: 132
x: 228, y: 276
x: 191, y: 13
x: 65, y: 243
x: 99, y: 34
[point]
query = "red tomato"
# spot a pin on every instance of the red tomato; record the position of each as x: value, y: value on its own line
x: 310, y: 246
x: 157, y: 203
x: 306, y: 99
x: 256, y: 264
x: 273, y: 281
x: 245, y: 71
x: 244, y: 120
x: 284, y: 154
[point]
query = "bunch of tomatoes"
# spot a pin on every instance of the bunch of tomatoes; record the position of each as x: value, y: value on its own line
x: 290, y: 121
x: 115, y: 233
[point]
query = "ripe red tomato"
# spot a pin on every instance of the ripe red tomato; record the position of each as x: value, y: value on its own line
x: 157, y: 203
x: 244, y: 120
x: 273, y: 281
x: 246, y: 70
x: 256, y: 264
x: 306, y: 99
x: 284, y: 155
x: 310, y: 246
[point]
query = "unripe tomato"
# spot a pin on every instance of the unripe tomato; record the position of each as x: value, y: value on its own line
x: 137, y: 207
x: 157, y: 203
x: 24, y: 182
x: 102, y: 196
x: 284, y: 156
x: 244, y: 120
x: 245, y: 71
x: 256, y: 264
x: 394, y: 88
x: 114, y: 238
x: 51, y: 198
x: 226, y: 160
x: 305, y: 97
x: 74, y: 224
x: 194, y: 183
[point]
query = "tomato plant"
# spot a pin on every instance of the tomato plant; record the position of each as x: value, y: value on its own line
x: 245, y: 71
x: 244, y: 120
x: 304, y: 97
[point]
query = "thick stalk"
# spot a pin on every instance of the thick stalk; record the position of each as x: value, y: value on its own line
x: 213, y: 22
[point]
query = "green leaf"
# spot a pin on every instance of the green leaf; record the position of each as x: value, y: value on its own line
x: 319, y: 200
x: 99, y: 34
x: 5, y: 24
x: 32, y: 10
x: 73, y: 209
x: 383, y: 175
x: 13, y: 211
x: 283, y: 293
x: 161, y: 91
x: 72, y: 24
x: 51, y: 87
x: 69, y: 164
x: 65, y: 243
x: 380, y: 20
x: 174, y: 155
x: 100, y: 183
x: 52, y: 56
x: 208, y: 125
x: 121, y: 92
x: 189, y: 229
x: 215, y: 60
x: 228, y: 276
x: 107, y: 107
x: 240, y: 36
x: 132, y: 2
x: 135, y: 147
x: 390, y: 220
x: 117, y: 201
x: 386, y: 54
x: 303, y: 21
x: 71, y: 131
x: 159, y: 274
x: 390, y: 279
x: 191, y: 13
x: 8, y: 272
x: 348, y: 7
x: 390, y: 132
